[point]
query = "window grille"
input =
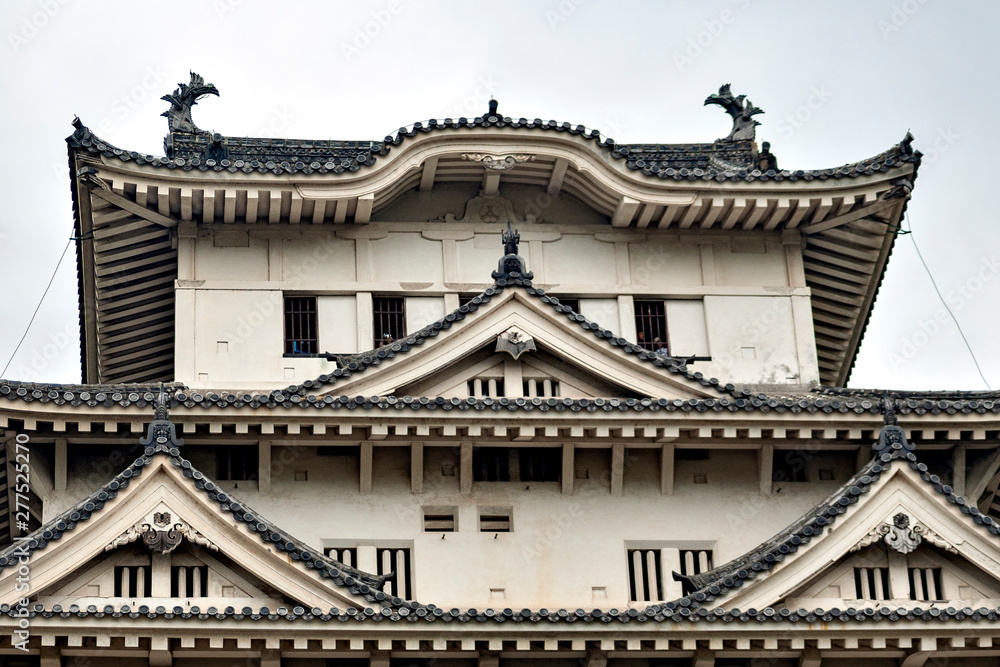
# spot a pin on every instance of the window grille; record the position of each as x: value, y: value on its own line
x: 236, y: 463
x: 389, y: 319
x: 541, y: 388
x: 395, y: 563
x: 346, y: 555
x: 644, y: 576
x: 491, y: 464
x: 300, y: 325
x: 437, y: 521
x: 539, y: 464
x: 925, y: 584
x: 188, y: 581
x: 650, y: 324
x: 872, y: 583
x: 494, y: 520
x: 695, y: 561
x: 133, y: 581
x: 485, y: 387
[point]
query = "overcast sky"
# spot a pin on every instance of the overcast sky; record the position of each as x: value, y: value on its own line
x: 838, y: 82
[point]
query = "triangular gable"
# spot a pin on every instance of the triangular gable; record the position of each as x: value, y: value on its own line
x: 892, y: 514
x: 514, y: 304
x: 161, y: 504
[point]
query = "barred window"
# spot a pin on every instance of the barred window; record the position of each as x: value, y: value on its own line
x: 925, y: 584
x: 542, y: 464
x: 394, y: 563
x: 695, y: 561
x: 300, y: 325
x: 346, y: 555
x: 644, y: 575
x: 872, y: 583
x: 389, y: 319
x: 133, y: 581
x: 491, y: 464
x: 188, y: 581
x: 651, y: 325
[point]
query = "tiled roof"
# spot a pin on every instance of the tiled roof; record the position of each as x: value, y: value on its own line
x: 891, y: 447
x: 719, y: 161
x: 161, y: 441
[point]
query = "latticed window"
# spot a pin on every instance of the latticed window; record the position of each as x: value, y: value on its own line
x: 300, y: 325
x: 644, y: 580
x: 188, y: 581
x: 925, y: 584
x: 394, y: 563
x: 389, y: 319
x: 872, y: 583
x: 133, y: 581
x: 651, y: 325
x: 695, y: 561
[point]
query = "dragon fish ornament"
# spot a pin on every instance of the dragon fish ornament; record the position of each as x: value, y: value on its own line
x: 741, y: 109
x: 185, y: 96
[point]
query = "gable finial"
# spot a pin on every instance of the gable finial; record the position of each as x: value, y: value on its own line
x: 892, y: 436
x: 511, y: 262
x: 161, y: 434
x: 185, y: 96
x: 740, y: 109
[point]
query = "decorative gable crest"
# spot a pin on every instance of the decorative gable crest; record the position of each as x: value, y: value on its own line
x: 490, y: 209
x: 515, y: 342
x: 899, y: 535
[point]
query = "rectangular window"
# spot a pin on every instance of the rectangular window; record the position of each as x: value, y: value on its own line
x: 925, y: 584
x: 695, y: 561
x: 651, y: 326
x: 539, y: 464
x: 485, y: 387
x: 790, y: 465
x: 188, y: 581
x: 440, y: 519
x: 494, y: 520
x: 541, y: 388
x: 300, y: 325
x: 394, y: 563
x: 644, y: 578
x: 133, y: 581
x: 872, y: 583
x: 491, y: 464
x: 346, y: 555
x: 236, y: 463
x: 389, y: 319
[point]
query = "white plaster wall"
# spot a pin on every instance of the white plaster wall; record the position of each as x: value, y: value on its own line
x: 228, y: 263
x: 659, y: 261
x: 423, y: 310
x: 576, y: 258
x: 686, y: 331
x: 602, y: 311
x: 337, y: 321
x: 751, y: 261
x: 551, y: 559
x: 407, y: 257
x: 751, y: 339
x: 318, y: 259
x: 478, y: 257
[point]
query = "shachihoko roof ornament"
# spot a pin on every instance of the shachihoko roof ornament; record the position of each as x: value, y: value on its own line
x: 185, y: 96
x: 741, y: 110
